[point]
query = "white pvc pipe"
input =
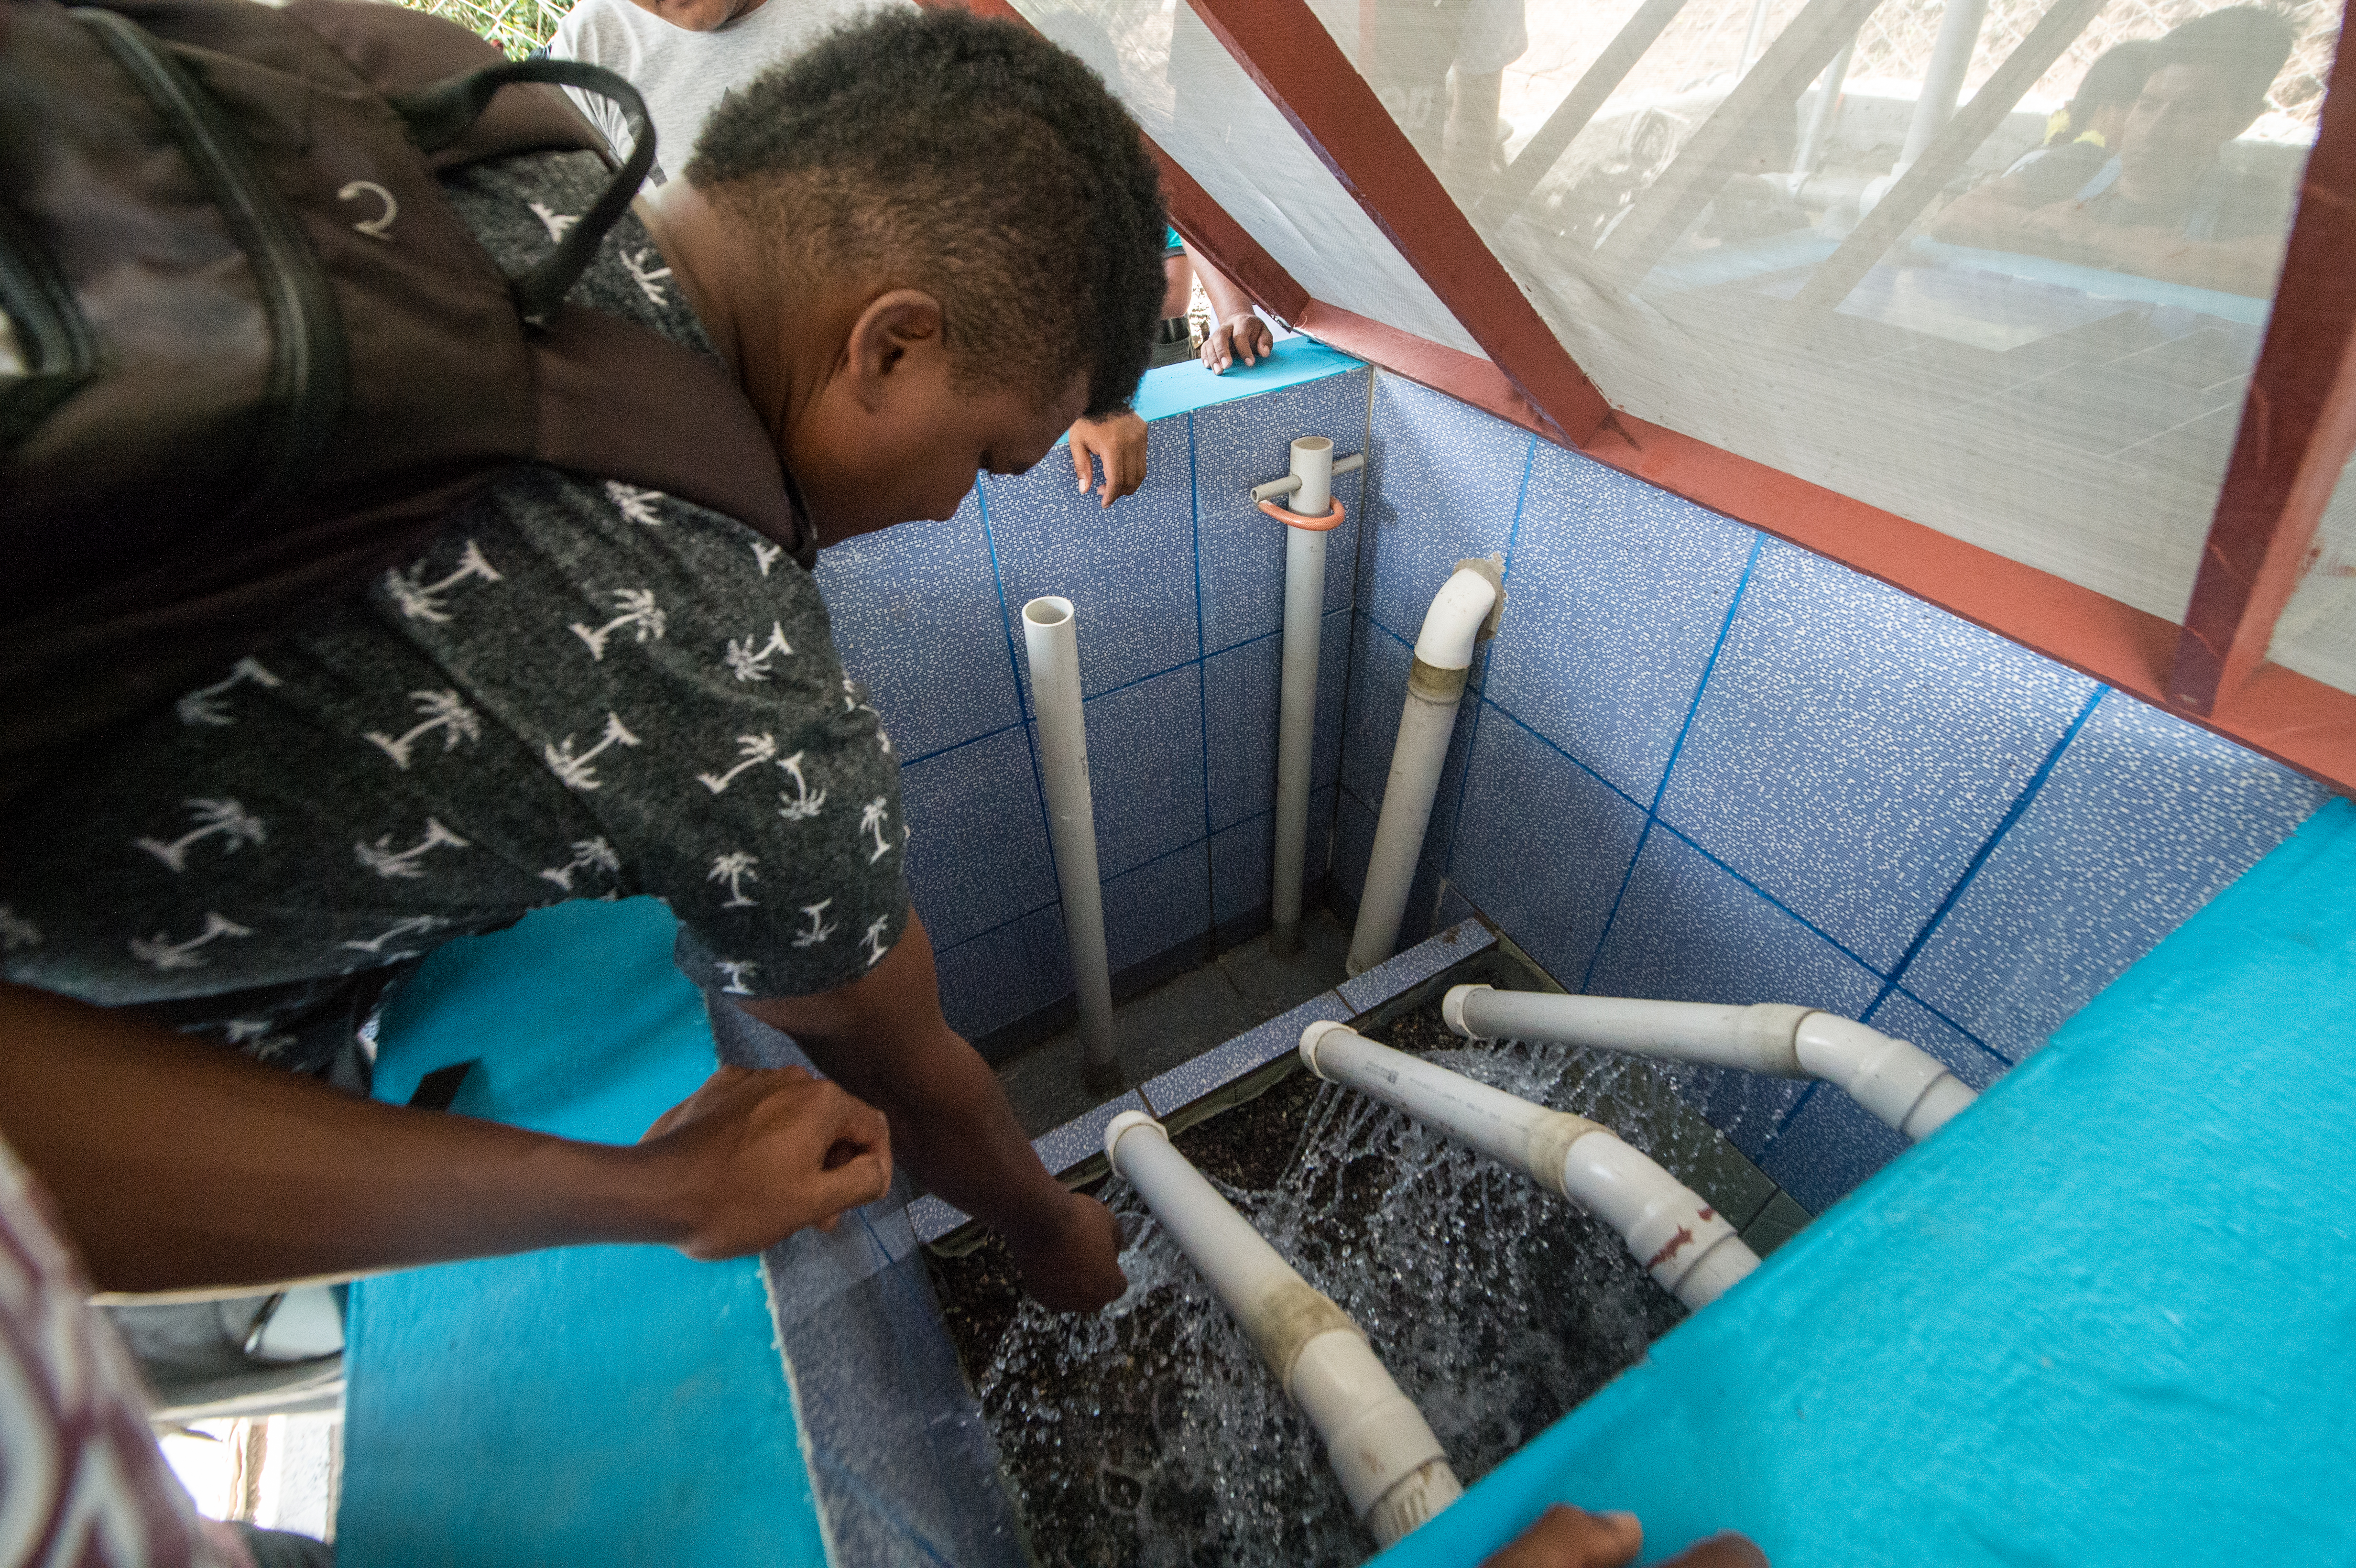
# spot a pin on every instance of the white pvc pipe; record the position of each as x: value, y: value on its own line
x: 1290, y: 483
x: 1904, y: 1084
x: 1296, y: 728
x: 1390, y: 1466
x: 1443, y: 655
x: 1050, y: 636
x: 1942, y: 79
x: 1682, y: 1242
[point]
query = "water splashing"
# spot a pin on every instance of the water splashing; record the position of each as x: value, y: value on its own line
x: 1152, y: 1433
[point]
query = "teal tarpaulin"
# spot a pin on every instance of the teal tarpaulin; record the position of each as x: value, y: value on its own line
x: 2106, y: 1317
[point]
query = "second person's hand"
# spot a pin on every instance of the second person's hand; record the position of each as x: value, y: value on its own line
x: 1242, y: 336
x: 1117, y: 441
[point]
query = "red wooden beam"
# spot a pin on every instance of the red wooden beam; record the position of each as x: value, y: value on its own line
x: 1286, y: 50
x: 2298, y: 425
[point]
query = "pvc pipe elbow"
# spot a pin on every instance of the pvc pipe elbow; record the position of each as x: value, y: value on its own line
x: 1452, y: 625
x: 1683, y: 1243
x: 1902, y: 1084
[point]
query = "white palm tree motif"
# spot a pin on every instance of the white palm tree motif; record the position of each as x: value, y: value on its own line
x: 409, y: 926
x: 17, y: 931
x: 871, y: 820
x: 203, y: 706
x: 819, y: 927
x: 639, y: 613
x: 231, y: 822
x: 735, y: 867
x: 161, y: 952
x: 752, y: 749
x: 555, y: 222
x: 767, y: 554
x: 736, y: 971
x: 874, y: 940
x: 649, y: 280
x: 750, y: 663
x: 386, y: 861
x: 576, y: 771
x: 801, y: 806
x: 442, y: 710
x: 588, y: 855
x: 422, y: 601
x: 635, y: 505
x: 241, y: 1030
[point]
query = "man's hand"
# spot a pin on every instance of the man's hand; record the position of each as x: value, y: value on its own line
x: 1243, y: 336
x: 1571, y: 1538
x: 1118, y: 443
x: 759, y: 1154
x: 1071, y: 1259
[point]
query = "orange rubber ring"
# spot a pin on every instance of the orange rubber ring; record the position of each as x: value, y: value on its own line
x: 1293, y: 519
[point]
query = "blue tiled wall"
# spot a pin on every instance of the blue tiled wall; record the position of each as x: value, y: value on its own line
x: 1699, y: 763
x: 1180, y: 591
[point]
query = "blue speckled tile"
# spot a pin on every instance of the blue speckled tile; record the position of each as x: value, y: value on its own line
x: 1007, y: 973
x: 1454, y: 907
x: 1379, y: 663
x: 916, y: 617
x: 1354, y: 841
x: 1082, y: 1138
x: 1903, y: 1018
x: 1242, y: 873
x: 1689, y: 932
x: 1241, y: 691
x: 1445, y: 480
x: 1615, y: 598
x: 1238, y: 445
x: 1128, y: 572
x: 934, y: 1218
x: 976, y: 841
x: 1542, y: 846
x: 1404, y: 971
x: 2143, y: 821
x: 1828, y: 1147
x: 1145, y: 769
x: 1856, y: 746
x: 1221, y: 1066
x: 1240, y: 699
x: 1159, y: 906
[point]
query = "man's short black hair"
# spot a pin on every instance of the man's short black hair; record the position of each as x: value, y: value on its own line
x: 2244, y: 45
x: 971, y: 159
x: 2114, y: 81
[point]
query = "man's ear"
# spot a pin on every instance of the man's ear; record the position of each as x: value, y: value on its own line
x: 897, y: 340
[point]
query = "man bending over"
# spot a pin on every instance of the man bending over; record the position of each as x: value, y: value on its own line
x: 580, y: 689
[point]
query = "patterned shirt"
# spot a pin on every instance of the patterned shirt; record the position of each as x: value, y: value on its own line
x: 578, y: 689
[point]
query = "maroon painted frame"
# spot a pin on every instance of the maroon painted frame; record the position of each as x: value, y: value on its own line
x: 2303, y: 402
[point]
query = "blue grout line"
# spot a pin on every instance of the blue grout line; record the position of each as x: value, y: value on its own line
x: 1202, y: 844
x: 1202, y: 676
x: 2020, y: 807
x: 907, y: 762
x: 1519, y: 723
x: 1652, y: 812
x: 1672, y: 829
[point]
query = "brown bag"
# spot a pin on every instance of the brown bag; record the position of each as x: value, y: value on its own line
x: 259, y: 357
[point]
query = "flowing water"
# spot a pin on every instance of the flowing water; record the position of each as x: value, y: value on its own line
x: 1152, y: 1433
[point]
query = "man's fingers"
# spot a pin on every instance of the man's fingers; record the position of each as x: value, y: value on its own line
x: 1567, y: 1537
x: 1727, y: 1550
x: 852, y: 1183
x: 1080, y: 459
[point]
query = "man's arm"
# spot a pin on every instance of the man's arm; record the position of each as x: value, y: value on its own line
x: 883, y: 1038
x: 1116, y: 441
x: 177, y: 1165
x: 1236, y: 332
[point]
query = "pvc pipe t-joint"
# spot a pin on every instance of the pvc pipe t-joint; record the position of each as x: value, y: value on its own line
x: 1050, y: 636
x: 1390, y: 1466
x: 1684, y: 1243
x: 1443, y: 655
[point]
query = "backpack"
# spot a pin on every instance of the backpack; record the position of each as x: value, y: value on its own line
x: 251, y: 358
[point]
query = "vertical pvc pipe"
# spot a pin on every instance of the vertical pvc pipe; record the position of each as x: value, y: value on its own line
x: 1443, y: 656
x: 1820, y: 118
x: 1050, y: 636
x: 1305, y: 617
x: 1391, y: 1468
x: 1942, y: 79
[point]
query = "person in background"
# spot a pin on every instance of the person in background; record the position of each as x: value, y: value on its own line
x: 2166, y: 206
x: 685, y: 56
x: 2080, y: 138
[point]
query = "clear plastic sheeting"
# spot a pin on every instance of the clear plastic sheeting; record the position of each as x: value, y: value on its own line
x: 2037, y: 340
x: 2316, y: 634
x: 1196, y: 102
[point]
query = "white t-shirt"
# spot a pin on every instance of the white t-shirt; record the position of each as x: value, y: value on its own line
x: 683, y: 75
